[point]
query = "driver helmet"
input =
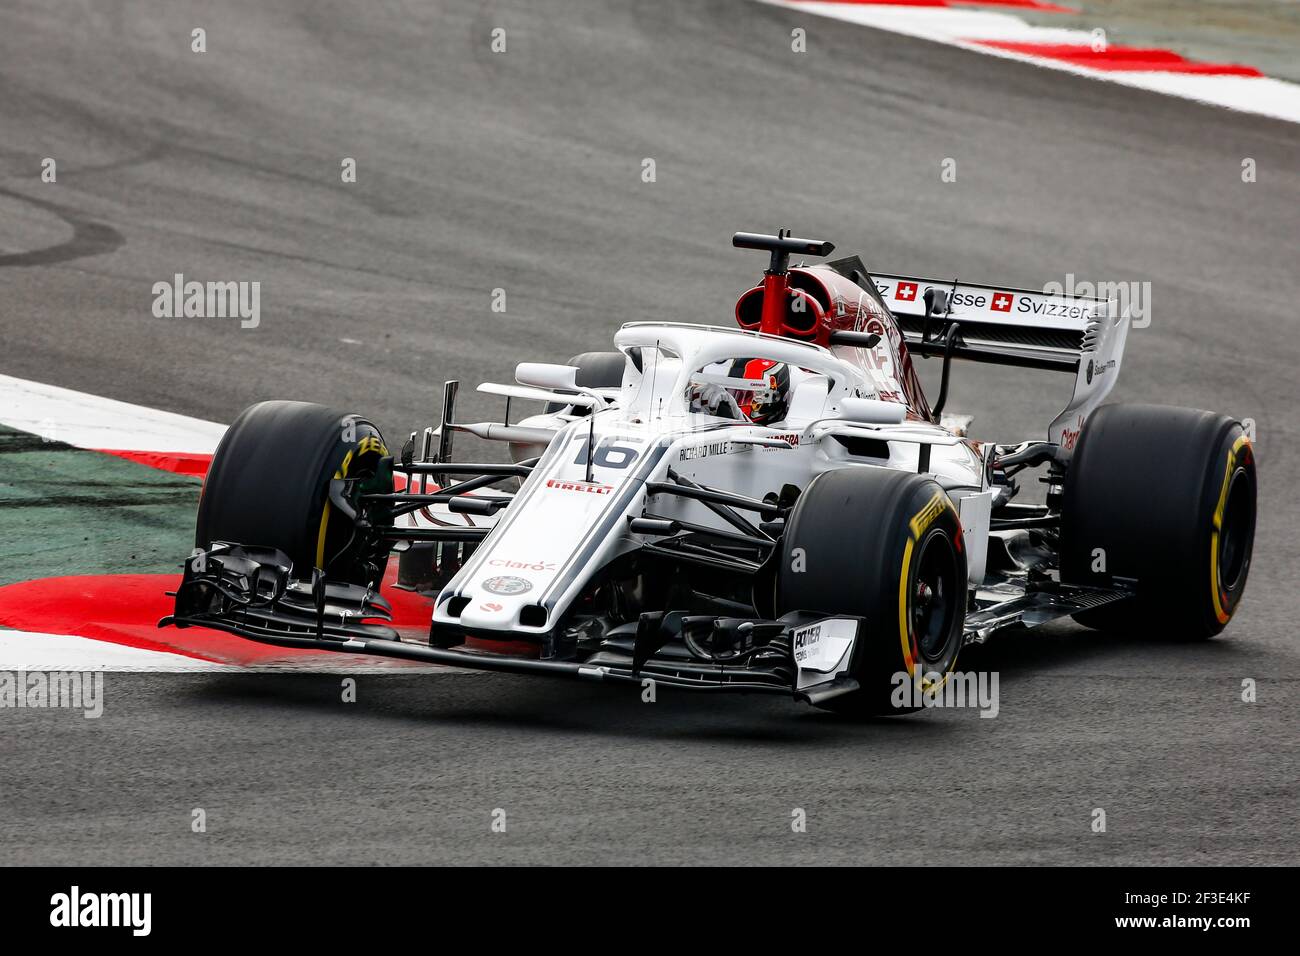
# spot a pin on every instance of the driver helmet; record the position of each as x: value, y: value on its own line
x: 764, y: 406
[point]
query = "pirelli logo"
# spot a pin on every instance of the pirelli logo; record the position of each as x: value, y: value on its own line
x: 371, y: 444
x: 927, y: 515
x: 590, y: 487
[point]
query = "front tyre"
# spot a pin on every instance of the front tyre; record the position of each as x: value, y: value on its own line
x: 269, y: 486
x: 886, y: 546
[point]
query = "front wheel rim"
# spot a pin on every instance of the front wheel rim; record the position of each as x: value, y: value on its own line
x: 1236, y: 532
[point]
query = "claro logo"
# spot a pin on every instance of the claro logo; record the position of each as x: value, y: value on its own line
x: 1070, y: 436
x: 522, y: 565
x: 74, y: 909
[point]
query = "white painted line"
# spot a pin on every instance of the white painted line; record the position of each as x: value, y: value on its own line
x: 1246, y: 94
x: 942, y: 24
x: 89, y: 421
x: 33, y: 651
x: 957, y: 27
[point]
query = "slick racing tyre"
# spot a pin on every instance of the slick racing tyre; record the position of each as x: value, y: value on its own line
x: 886, y: 546
x: 595, y: 370
x: 269, y: 485
x: 1164, y: 497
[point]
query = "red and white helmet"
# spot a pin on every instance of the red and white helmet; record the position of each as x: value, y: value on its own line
x: 764, y: 406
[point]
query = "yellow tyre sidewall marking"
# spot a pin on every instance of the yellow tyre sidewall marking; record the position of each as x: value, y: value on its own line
x: 917, y: 527
x: 369, y: 444
x: 1221, y: 612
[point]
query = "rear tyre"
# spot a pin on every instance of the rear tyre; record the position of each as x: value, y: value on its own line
x: 268, y: 486
x: 1164, y: 496
x: 886, y: 546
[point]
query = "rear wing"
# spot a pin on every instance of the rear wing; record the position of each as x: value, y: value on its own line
x: 1079, y: 335
x: 999, y: 321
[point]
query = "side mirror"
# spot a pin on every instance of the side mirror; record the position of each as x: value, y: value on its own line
x: 563, y: 378
x: 872, y: 411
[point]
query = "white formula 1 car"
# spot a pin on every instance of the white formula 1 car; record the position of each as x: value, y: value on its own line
x: 775, y: 507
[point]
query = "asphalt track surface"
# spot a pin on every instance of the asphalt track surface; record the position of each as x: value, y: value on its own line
x: 522, y: 171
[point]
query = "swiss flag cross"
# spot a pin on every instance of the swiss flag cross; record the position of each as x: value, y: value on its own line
x: 906, y: 291
x: 1001, y: 302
